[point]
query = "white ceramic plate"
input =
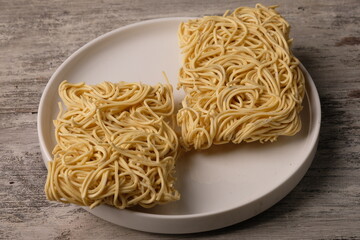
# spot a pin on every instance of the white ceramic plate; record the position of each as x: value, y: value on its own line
x: 220, y: 187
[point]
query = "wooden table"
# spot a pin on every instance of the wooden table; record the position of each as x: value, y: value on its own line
x: 37, y: 36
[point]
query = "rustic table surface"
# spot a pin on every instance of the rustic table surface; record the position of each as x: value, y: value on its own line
x: 37, y: 36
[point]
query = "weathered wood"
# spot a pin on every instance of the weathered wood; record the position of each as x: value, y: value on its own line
x: 37, y: 36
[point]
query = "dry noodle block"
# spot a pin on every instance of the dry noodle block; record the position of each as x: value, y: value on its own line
x: 114, y: 146
x: 241, y: 80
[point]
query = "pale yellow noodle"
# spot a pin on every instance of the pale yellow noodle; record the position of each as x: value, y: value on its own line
x: 241, y: 80
x: 114, y: 146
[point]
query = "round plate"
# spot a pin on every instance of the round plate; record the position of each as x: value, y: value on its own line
x: 220, y: 186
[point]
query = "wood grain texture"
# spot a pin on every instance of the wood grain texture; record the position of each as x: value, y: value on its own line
x: 37, y: 36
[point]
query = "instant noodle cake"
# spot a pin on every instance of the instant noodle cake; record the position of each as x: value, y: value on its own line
x: 114, y: 146
x: 241, y: 80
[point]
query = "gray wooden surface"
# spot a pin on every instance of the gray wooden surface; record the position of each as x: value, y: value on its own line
x: 37, y: 36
